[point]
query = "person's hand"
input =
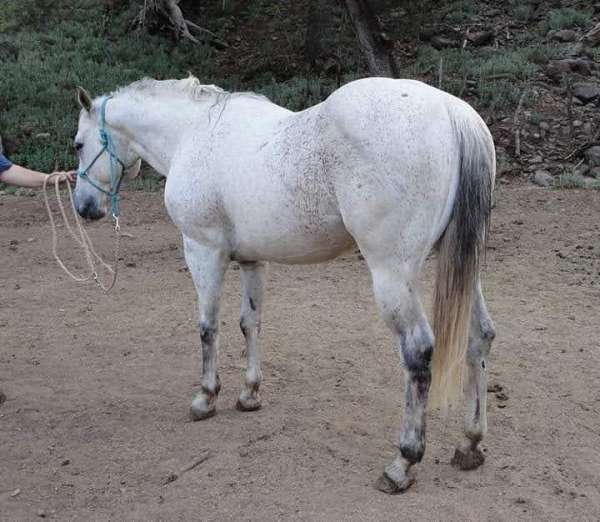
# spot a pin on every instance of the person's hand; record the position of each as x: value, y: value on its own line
x: 63, y: 176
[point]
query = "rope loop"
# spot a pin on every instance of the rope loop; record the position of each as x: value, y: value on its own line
x: 82, y: 239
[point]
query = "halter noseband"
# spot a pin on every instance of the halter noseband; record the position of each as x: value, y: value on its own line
x: 108, y: 145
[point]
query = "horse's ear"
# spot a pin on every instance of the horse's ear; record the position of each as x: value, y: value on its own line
x: 84, y: 99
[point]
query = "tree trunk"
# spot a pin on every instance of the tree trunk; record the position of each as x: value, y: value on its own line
x: 371, y: 38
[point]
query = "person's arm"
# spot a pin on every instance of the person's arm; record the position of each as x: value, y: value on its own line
x: 17, y: 175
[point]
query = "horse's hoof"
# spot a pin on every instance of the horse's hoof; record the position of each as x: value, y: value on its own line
x: 202, y: 409
x: 201, y: 415
x: 469, y: 459
x: 248, y: 404
x: 392, y: 487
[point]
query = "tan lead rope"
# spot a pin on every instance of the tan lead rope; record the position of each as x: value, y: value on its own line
x: 81, y: 237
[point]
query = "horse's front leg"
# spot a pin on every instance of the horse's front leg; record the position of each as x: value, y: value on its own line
x: 207, y: 266
x: 252, y: 280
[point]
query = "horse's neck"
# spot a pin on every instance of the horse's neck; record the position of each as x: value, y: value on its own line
x: 153, y: 128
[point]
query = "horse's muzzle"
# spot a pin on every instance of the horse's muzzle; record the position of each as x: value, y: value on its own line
x: 89, y: 209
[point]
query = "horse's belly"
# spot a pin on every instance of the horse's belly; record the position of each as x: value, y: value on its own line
x: 301, y: 243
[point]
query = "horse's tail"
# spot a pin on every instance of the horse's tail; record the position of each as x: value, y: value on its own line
x: 459, y: 253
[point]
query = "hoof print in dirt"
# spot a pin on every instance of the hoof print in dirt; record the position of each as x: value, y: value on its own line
x: 467, y: 460
x: 391, y: 487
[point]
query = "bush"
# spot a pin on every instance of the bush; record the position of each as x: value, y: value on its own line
x: 567, y: 18
x: 38, y: 84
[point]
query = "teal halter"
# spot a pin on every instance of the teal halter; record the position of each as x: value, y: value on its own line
x: 108, y: 146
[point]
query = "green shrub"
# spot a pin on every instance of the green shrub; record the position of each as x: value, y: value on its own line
x: 522, y: 12
x: 570, y: 180
x: 460, y: 12
x: 567, y: 17
x: 38, y: 86
x: 499, y: 95
x: 514, y: 63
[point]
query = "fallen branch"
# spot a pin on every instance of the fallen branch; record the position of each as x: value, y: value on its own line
x: 582, y: 149
x: 170, y: 11
x: 517, y: 123
x: 570, y: 105
x: 173, y: 476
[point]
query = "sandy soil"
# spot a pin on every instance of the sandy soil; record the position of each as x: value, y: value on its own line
x: 95, y: 422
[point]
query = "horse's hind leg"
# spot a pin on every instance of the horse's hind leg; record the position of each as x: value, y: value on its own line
x: 395, y: 292
x: 207, y: 267
x: 481, y: 334
x: 252, y: 277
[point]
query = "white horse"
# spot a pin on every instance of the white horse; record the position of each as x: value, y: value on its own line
x: 394, y: 166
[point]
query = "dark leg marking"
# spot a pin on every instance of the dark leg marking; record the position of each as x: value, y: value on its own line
x: 208, y: 333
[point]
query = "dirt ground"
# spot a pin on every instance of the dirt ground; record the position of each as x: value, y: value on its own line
x: 95, y: 423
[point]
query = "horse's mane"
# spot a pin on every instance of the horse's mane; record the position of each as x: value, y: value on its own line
x: 189, y: 87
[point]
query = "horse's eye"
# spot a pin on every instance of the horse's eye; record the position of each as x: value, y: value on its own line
x: 78, y: 146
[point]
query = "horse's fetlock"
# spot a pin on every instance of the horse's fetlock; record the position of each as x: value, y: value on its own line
x: 413, y: 451
x: 247, y: 324
x: 211, y: 389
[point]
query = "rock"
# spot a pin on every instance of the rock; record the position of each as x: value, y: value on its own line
x: 594, y: 172
x: 564, y: 35
x: 583, y: 170
x: 577, y: 123
x: 542, y: 178
x: 504, y: 165
x: 481, y: 38
x: 41, y: 513
x: 592, y: 156
x: 442, y: 42
x: 2, y: 397
x: 545, y: 126
x: 586, y: 92
x: 556, y: 69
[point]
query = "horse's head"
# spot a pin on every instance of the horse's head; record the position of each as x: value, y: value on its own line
x: 105, y: 158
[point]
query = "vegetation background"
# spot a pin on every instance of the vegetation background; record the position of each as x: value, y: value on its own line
x: 295, y: 52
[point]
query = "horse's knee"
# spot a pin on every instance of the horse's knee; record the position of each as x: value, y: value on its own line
x: 480, y: 340
x: 208, y: 332
x: 488, y: 332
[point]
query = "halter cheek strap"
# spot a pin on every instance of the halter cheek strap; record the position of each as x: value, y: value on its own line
x: 116, y: 177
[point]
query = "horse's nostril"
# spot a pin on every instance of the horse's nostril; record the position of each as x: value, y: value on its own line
x: 89, y: 210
